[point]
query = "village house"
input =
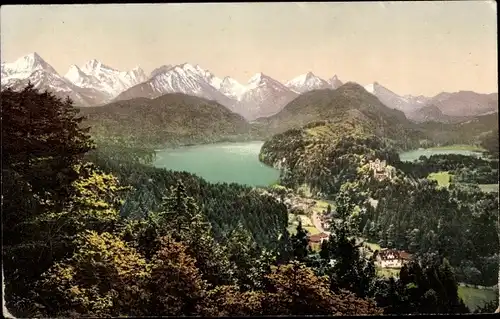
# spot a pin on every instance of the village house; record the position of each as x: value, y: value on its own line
x: 392, y: 258
x: 325, y: 225
x: 317, y: 239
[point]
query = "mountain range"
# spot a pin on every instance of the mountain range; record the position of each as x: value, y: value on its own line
x: 95, y: 83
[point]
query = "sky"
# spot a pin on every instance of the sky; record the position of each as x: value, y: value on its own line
x: 409, y: 47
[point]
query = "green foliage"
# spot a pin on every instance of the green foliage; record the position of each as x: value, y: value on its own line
x: 296, y: 290
x: 425, y: 289
x: 225, y: 301
x: 469, y: 132
x: 244, y: 256
x: 42, y: 141
x: 46, y: 199
x: 468, y: 168
x: 102, y: 278
x: 176, y: 286
x: 224, y: 205
x: 299, y: 242
x: 458, y: 223
x: 324, y: 162
x: 350, y: 103
x: 490, y: 142
x: 348, y: 269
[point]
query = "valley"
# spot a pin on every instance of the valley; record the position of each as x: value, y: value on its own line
x: 333, y: 163
x: 243, y: 160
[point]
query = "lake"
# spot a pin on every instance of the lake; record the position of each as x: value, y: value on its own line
x: 415, y: 154
x: 223, y: 162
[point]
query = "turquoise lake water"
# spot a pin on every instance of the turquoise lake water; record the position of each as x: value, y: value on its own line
x: 224, y: 162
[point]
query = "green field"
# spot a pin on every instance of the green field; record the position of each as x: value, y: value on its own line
x: 306, y: 223
x: 321, y: 206
x: 474, y: 297
x: 388, y: 272
x: 372, y: 246
x: 312, y: 230
x: 442, y: 178
x: 488, y: 188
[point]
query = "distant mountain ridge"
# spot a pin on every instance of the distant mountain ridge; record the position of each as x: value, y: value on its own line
x: 96, y: 83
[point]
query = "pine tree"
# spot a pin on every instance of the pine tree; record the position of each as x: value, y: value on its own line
x: 243, y: 255
x: 42, y: 140
x: 175, y: 284
x: 300, y: 243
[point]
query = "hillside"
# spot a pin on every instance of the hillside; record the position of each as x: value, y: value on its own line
x: 349, y: 99
x: 345, y: 128
x: 465, y: 132
x: 325, y: 154
x: 172, y: 119
x: 431, y: 113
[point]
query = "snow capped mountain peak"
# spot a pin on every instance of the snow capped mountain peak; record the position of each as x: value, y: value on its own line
x: 405, y: 103
x: 74, y: 74
x: 26, y: 65
x: 161, y: 69
x: 195, y: 71
x: 32, y: 68
x: 91, y: 65
x: 310, y: 75
x: 95, y: 66
x: 261, y: 80
x: 258, y: 77
x: 138, y: 72
x: 232, y: 88
x: 370, y: 88
x: 98, y: 76
x: 306, y: 82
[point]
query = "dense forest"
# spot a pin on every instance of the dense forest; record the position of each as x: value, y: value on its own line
x: 93, y: 230
x: 225, y: 205
x: 465, y: 169
x: 324, y: 155
x: 412, y: 212
x: 458, y: 223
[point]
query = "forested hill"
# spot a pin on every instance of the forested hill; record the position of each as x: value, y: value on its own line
x: 324, y: 155
x: 350, y: 100
x: 467, y: 132
x: 172, y: 119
